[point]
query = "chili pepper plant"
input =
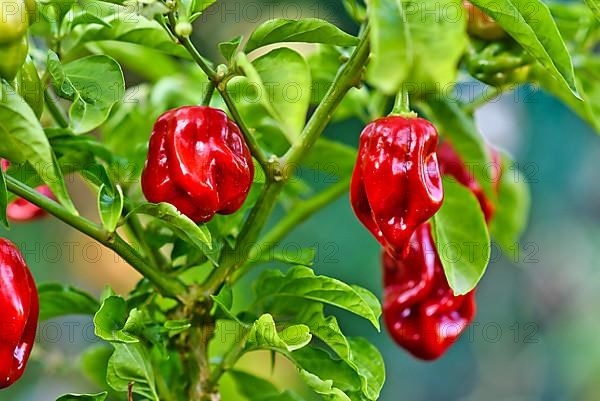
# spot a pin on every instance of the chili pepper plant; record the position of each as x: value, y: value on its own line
x: 192, y: 158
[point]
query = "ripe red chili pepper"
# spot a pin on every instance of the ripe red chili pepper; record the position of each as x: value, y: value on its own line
x: 19, y: 312
x: 21, y: 210
x: 396, y: 185
x: 451, y: 164
x: 421, y: 312
x: 199, y: 162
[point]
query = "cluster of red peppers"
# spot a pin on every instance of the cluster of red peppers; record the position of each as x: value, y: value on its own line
x: 396, y: 188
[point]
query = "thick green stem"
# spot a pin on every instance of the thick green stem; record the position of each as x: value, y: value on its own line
x: 210, y: 89
x: 297, y: 216
x: 348, y: 77
x: 55, y: 110
x: 166, y: 285
x: 486, y: 96
x: 229, y: 360
x: 137, y: 235
x: 231, y: 259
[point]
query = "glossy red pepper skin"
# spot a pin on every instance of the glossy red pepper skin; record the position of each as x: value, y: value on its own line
x: 421, y: 312
x: 21, y: 210
x: 396, y: 185
x: 19, y: 313
x: 451, y: 164
x: 199, y: 162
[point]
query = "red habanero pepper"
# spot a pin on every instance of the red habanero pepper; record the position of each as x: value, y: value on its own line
x: 199, y: 162
x: 452, y: 165
x: 19, y: 313
x: 421, y: 312
x: 21, y: 210
x: 396, y: 185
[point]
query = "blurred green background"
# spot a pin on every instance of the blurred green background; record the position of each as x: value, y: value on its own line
x: 536, y: 332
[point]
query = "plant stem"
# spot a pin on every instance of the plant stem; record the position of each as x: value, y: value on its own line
x: 136, y: 234
x: 402, y: 106
x: 487, y: 95
x: 220, y: 84
x: 55, y: 110
x: 348, y: 77
x: 198, y: 342
x: 210, y: 89
x: 165, y: 285
x: 234, y: 258
x: 299, y: 214
x: 229, y: 360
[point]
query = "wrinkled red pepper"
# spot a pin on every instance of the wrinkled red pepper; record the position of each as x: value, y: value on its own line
x: 21, y: 210
x: 19, y: 313
x: 396, y: 185
x: 199, y: 162
x: 421, y: 312
x: 451, y: 164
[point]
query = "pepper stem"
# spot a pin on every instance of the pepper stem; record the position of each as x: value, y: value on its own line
x: 402, y: 106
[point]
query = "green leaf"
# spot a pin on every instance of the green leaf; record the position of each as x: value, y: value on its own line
x: 3, y: 200
x: 357, y: 353
x: 257, y: 112
x: 230, y: 49
x: 286, y: 78
x: 404, y: 52
x: 325, y: 388
x: 325, y: 328
x: 196, y: 7
x: 264, y: 335
x: 332, y: 378
x: 460, y: 129
x: 302, y: 256
x: 461, y: 237
x: 94, y: 84
x: 94, y: 362
x: 125, y: 26
x: 79, y: 16
x: 531, y: 24
x: 514, y: 202
x: 333, y: 159
x: 251, y: 386
x: 324, y: 66
x: 131, y: 363
x: 594, y: 5
x: 368, y: 362
x: 110, y: 205
x: 183, y: 226
x: 22, y: 139
x: 174, y: 327
x: 83, y: 397
x: 301, y: 282
x: 258, y: 389
x: 58, y: 300
x: 224, y: 301
x: 391, y: 47
x: 588, y: 82
x: 309, y: 30
x: 112, y: 320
